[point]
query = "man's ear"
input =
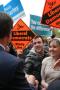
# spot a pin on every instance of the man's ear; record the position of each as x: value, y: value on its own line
x: 7, y: 39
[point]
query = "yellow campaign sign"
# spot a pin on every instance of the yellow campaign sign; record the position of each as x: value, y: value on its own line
x: 51, y: 13
x: 21, y: 35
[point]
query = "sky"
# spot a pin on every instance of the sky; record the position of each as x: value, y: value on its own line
x: 34, y: 7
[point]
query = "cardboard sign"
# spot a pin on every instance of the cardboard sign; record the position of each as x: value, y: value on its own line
x: 21, y: 35
x: 14, y: 9
x: 51, y: 13
x: 39, y: 29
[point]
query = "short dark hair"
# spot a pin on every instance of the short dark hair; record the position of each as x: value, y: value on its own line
x: 6, y: 24
x: 53, y: 36
x: 37, y: 36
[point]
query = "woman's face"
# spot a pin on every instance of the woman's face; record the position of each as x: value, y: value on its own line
x: 54, y: 49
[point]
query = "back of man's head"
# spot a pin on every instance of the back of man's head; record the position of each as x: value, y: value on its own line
x: 6, y: 24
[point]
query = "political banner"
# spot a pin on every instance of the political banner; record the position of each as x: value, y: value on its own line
x: 22, y: 35
x: 14, y: 9
x: 1, y: 8
x: 51, y: 13
x: 38, y: 28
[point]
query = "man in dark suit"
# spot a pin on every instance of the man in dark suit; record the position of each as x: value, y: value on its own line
x: 12, y: 76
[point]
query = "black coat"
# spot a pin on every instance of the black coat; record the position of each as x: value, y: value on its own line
x: 33, y: 63
x: 12, y: 76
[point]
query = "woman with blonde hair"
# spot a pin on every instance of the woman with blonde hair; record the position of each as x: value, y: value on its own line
x: 51, y: 65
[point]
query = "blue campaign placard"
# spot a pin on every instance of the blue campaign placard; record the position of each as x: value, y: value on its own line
x: 38, y: 28
x: 1, y: 8
x: 14, y: 9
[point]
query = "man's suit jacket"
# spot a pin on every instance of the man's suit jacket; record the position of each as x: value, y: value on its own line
x: 11, y: 72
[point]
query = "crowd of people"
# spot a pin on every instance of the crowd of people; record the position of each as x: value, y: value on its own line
x: 36, y: 68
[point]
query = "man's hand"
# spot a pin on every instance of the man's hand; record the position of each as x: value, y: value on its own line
x: 32, y: 80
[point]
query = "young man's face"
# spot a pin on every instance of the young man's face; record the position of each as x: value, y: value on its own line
x: 38, y: 45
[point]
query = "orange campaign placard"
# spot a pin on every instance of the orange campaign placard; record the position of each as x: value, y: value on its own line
x: 51, y: 13
x: 21, y: 35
